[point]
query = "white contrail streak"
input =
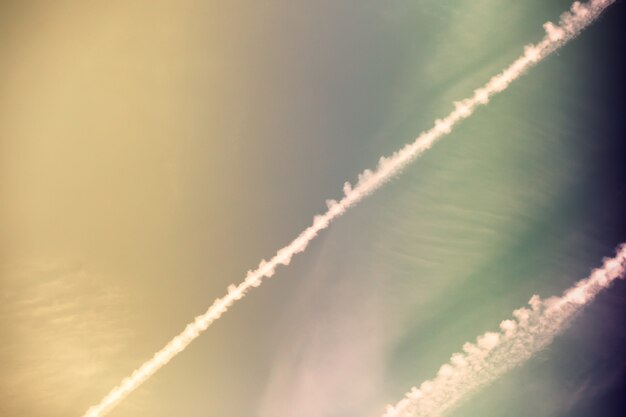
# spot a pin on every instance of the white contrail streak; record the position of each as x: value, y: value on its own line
x: 494, y: 354
x: 571, y: 24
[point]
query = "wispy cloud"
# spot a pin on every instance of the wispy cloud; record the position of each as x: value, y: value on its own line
x: 570, y: 25
x: 330, y: 357
x: 60, y: 328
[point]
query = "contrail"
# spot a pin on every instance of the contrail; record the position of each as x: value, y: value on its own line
x: 494, y: 354
x: 570, y: 25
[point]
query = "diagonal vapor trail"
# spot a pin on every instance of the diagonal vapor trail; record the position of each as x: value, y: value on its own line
x: 570, y: 25
x: 494, y: 354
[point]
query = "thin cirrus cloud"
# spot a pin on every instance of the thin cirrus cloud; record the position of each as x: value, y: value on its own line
x: 47, y: 307
x: 570, y: 25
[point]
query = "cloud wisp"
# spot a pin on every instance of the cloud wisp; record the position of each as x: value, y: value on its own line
x: 47, y: 304
x: 570, y: 25
x: 494, y: 353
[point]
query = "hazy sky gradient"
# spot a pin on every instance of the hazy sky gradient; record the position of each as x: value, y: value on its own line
x: 152, y: 152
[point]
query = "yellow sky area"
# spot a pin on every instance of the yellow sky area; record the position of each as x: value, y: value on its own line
x: 98, y: 118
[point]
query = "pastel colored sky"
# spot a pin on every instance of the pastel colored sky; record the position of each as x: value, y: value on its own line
x: 151, y: 152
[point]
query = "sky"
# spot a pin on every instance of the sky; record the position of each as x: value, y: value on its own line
x: 152, y: 152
